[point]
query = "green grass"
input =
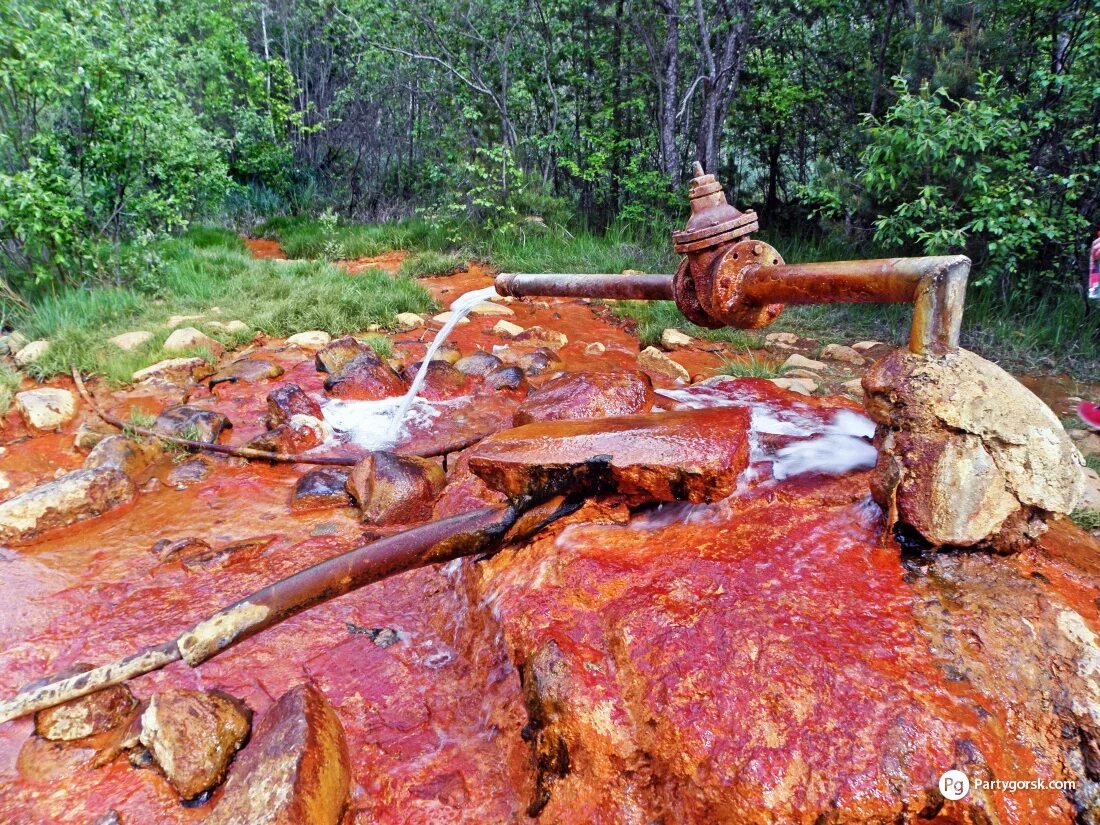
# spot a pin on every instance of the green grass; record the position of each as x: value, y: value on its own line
x: 749, y: 367
x: 1093, y: 462
x: 305, y: 238
x: 9, y: 384
x: 431, y: 263
x: 654, y: 317
x: 1086, y: 519
x: 276, y: 298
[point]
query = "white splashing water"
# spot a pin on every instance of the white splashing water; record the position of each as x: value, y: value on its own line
x: 459, y: 310
x: 368, y: 424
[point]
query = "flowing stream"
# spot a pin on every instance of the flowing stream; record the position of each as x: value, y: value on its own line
x: 459, y: 310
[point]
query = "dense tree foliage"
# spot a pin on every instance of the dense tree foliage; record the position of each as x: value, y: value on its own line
x: 929, y: 125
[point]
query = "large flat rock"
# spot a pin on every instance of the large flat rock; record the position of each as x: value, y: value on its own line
x: 692, y: 455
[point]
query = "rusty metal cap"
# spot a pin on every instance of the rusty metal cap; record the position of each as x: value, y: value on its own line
x: 713, y: 220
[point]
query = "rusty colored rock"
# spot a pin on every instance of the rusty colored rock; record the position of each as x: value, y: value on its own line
x: 295, y: 771
x: 582, y: 395
x: 321, y: 490
x: 964, y: 446
x: 193, y: 735
x: 249, y: 370
x: 196, y: 423
x: 366, y: 378
x: 393, y: 489
x: 178, y: 549
x: 296, y: 435
x: 507, y: 379
x: 333, y: 356
x: 442, y: 380
x: 289, y: 400
x: 79, y: 495
x: 478, y: 363
x: 89, y: 715
x: 533, y: 362
x: 124, y: 454
x: 693, y: 455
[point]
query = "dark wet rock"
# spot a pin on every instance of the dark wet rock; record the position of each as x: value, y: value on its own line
x: 195, y: 423
x: 478, y: 363
x: 507, y: 379
x: 393, y: 489
x: 966, y: 453
x: 693, y: 455
x: 533, y: 362
x: 333, y: 356
x: 189, y: 472
x: 124, y: 454
x: 248, y: 370
x: 296, y: 770
x: 287, y: 401
x: 381, y: 636
x: 193, y: 735
x: 366, y: 378
x: 321, y: 489
x: 582, y: 395
x: 95, y: 713
x: 442, y: 381
x: 296, y: 435
x: 79, y: 495
x: 121, y: 739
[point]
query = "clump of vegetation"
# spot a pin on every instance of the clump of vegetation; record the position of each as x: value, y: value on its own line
x: 431, y: 263
x: 654, y: 317
x: 1086, y: 519
x: 381, y: 345
x: 1092, y: 461
x: 749, y: 367
x: 9, y: 384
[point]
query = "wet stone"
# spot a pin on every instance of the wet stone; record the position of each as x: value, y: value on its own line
x: 533, y: 362
x: 193, y: 735
x: 336, y: 354
x: 583, y: 395
x: 175, y: 371
x: 442, y: 381
x: 655, y: 361
x: 249, y: 370
x: 297, y: 435
x: 393, y: 489
x: 321, y: 489
x: 289, y: 400
x: 365, y: 378
x: 693, y: 455
x: 546, y: 337
x: 507, y: 378
x: 478, y: 363
x: 194, y: 423
x: 178, y: 549
x: 124, y: 454
x: 89, y: 715
x: 73, y: 497
x: 296, y: 769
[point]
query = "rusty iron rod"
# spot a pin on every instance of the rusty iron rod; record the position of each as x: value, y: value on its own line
x: 567, y: 285
x: 476, y: 532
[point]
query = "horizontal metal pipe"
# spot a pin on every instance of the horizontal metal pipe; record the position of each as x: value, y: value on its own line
x: 569, y: 285
x: 888, y: 280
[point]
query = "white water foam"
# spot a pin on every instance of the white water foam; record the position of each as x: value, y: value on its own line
x: 460, y: 308
x: 368, y: 424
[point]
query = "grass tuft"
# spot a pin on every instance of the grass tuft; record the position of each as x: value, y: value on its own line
x: 431, y: 263
x: 749, y: 367
x: 1086, y: 519
x: 1093, y: 462
x: 9, y: 385
x: 654, y: 317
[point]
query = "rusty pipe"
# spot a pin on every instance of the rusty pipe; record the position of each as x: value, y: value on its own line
x: 934, y: 285
x: 567, y: 285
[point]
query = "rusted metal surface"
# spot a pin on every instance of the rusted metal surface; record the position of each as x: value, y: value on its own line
x: 562, y: 285
x: 728, y: 279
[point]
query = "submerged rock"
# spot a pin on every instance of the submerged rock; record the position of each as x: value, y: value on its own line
x: 46, y: 408
x: 395, y: 489
x: 365, y: 378
x: 582, y: 395
x: 195, y: 423
x: 963, y: 447
x: 296, y: 769
x: 76, y: 496
x: 297, y: 434
x: 533, y: 362
x: 693, y: 455
x: 321, y: 490
x: 545, y: 337
x: 507, y: 378
x: 189, y: 472
x: 193, y: 735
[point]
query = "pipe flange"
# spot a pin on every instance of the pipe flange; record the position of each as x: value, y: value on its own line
x: 687, y: 298
x: 709, y: 236
x: 730, y: 272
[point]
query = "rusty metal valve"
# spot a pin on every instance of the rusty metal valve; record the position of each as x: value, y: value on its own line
x: 728, y: 279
